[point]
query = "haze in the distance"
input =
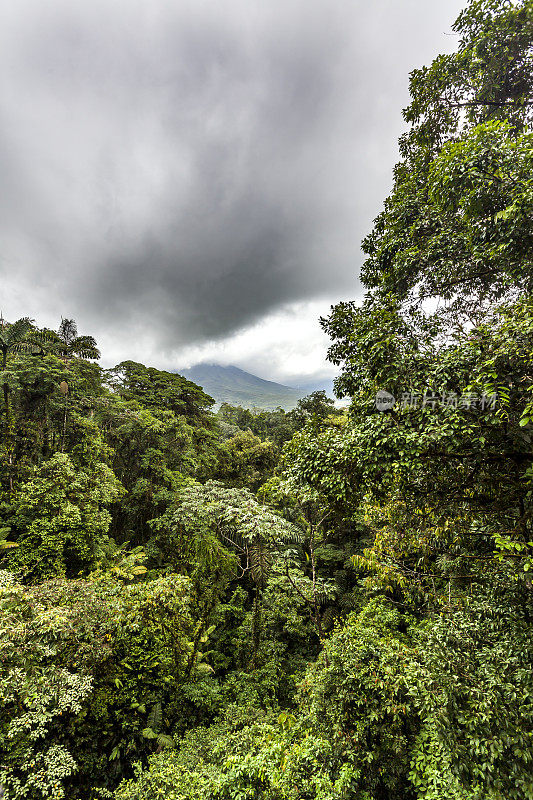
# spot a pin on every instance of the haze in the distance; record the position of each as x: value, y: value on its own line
x: 191, y: 180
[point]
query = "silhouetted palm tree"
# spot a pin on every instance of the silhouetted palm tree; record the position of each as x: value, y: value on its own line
x: 71, y: 345
x: 13, y: 337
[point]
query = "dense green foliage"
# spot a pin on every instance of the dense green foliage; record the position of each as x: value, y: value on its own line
x: 315, y: 604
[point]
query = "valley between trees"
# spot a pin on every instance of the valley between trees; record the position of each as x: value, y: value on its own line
x: 316, y: 604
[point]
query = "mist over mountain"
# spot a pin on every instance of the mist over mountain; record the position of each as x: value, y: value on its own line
x: 237, y: 387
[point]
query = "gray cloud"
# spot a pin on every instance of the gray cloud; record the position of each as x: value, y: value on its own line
x: 194, y: 166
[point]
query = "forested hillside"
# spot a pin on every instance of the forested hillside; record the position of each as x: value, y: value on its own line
x: 237, y: 387
x: 322, y: 604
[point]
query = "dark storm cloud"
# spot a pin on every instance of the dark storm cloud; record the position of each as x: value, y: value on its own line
x: 197, y: 164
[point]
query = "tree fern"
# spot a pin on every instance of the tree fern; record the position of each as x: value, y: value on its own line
x: 260, y: 561
x: 155, y: 718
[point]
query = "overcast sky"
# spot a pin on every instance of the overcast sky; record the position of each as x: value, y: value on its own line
x: 191, y: 179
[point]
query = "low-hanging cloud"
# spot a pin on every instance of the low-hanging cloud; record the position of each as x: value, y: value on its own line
x: 191, y: 166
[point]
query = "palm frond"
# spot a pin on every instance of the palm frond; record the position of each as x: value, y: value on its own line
x: 166, y: 742
x: 328, y: 617
x: 84, y: 347
x: 155, y: 717
x: 260, y: 562
x: 321, y: 597
x: 342, y: 580
x: 290, y: 534
x: 17, y: 331
x: 21, y: 347
x: 4, y: 533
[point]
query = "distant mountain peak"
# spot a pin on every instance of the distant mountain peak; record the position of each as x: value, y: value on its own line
x: 231, y: 384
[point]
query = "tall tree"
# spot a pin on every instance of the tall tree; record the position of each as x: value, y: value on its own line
x: 13, y: 339
x: 71, y: 345
x: 447, y: 320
